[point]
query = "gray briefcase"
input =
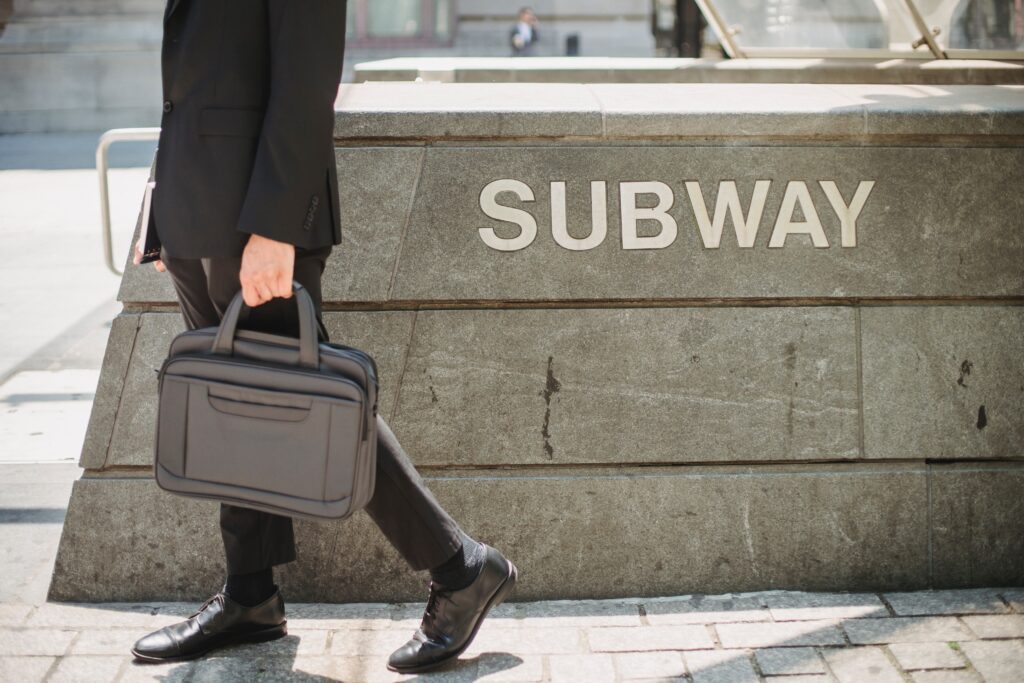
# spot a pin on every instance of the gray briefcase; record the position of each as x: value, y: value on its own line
x: 269, y: 422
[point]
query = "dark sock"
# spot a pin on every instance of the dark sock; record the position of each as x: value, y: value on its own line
x: 251, y: 589
x: 462, y: 568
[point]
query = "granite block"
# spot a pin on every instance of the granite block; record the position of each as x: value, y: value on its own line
x: 977, y: 525
x: 375, y: 187
x: 109, y: 390
x: 912, y: 240
x: 134, y: 432
x: 583, y: 395
x: 824, y: 527
x: 943, y: 381
x: 608, y: 386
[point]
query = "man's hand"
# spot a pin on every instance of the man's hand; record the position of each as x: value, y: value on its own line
x: 137, y: 258
x: 267, y: 267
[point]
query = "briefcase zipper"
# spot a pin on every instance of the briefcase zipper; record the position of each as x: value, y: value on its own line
x: 288, y: 369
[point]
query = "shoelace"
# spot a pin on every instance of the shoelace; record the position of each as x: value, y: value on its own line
x: 435, y: 592
x: 206, y: 604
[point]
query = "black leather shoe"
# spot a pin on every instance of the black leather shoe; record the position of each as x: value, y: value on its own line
x: 220, y: 621
x: 452, y: 618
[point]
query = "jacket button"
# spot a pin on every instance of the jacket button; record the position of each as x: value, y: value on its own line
x: 168, y: 106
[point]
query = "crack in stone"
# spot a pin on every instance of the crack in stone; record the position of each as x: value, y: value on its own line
x: 552, y: 386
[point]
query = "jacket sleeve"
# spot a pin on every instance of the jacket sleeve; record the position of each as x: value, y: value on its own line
x: 307, y: 45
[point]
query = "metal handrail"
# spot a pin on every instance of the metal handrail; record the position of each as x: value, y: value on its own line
x: 102, y: 167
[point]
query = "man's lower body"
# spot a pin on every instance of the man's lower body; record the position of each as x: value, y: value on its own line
x: 468, y: 578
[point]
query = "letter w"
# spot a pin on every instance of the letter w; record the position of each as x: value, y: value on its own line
x: 728, y: 200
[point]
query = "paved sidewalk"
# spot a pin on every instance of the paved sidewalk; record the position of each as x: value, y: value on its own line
x: 775, y: 636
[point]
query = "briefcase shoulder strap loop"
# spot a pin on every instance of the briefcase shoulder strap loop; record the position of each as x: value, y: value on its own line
x: 309, y: 351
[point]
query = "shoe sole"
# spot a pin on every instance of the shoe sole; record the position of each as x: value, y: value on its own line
x: 267, y: 634
x: 499, y: 596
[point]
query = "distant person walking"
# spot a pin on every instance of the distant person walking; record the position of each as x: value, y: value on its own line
x: 524, y: 33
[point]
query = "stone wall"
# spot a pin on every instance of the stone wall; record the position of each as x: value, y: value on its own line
x: 819, y: 389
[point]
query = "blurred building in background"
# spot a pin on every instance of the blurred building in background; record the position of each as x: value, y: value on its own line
x: 94, y: 64
x: 395, y: 28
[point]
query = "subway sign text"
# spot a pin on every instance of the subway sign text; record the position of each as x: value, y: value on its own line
x: 747, y: 221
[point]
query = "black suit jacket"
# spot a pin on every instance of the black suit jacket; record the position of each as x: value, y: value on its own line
x: 246, y: 141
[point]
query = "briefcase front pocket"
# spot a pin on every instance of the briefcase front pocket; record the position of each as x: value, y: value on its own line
x: 267, y: 439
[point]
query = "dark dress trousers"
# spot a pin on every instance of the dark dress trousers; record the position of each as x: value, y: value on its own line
x: 247, y: 147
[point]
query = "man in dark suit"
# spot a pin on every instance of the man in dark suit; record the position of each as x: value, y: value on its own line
x: 246, y: 198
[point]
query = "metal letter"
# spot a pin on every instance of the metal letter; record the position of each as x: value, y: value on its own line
x: 847, y: 214
x: 631, y: 214
x: 796, y: 191
x: 526, y: 222
x: 728, y: 200
x: 598, y: 216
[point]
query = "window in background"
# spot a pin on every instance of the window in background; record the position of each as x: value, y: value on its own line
x: 381, y: 23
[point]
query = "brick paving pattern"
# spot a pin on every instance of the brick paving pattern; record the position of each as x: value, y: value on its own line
x: 771, y: 637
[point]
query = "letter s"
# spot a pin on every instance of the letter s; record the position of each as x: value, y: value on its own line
x: 526, y: 222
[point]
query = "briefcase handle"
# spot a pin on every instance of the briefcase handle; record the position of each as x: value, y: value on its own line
x: 309, y: 352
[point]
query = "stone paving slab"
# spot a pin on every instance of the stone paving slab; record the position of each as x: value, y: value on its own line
x: 905, y: 630
x: 1015, y: 598
x: 996, y: 625
x: 634, y: 639
x: 87, y: 669
x: 777, y: 661
x: 573, y: 641
x: 816, y: 632
x: 964, y: 601
x: 706, y: 610
x: 997, y: 661
x: 926, y: 656
x: 720, y: 666
x: 791, y: 606
x: 645, y: 665
x: 859, y: 664
x: 945, y: 676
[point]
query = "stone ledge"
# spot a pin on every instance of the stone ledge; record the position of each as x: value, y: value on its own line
x: 684, y: 70
x: 388, y: 110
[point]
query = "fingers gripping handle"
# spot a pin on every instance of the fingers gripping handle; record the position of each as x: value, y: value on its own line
x: 309, y: 353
